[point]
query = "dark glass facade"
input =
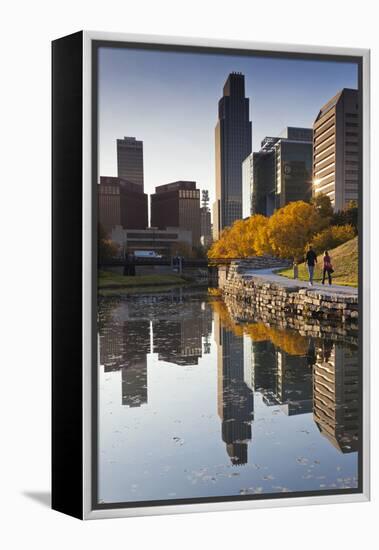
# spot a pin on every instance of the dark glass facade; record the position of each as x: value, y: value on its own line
x: 233, y: 144
x: 293, y: 171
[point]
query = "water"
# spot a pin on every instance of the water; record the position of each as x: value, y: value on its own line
x: 193, y: 405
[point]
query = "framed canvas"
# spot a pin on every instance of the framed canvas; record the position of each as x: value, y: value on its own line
x: 210, y: 275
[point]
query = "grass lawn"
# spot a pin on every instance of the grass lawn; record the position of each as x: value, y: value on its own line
x: 344, y: 261
x: 107, y: 280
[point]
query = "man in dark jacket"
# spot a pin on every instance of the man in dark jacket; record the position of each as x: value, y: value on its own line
x: 311, y: 260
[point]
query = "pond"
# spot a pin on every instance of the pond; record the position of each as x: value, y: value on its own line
x: 192, y: 404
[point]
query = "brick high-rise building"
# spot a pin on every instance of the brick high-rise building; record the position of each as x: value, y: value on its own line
x: 121, y: 202
x: 336, y: 148
x: 177, y: 204
x: 233, y: 144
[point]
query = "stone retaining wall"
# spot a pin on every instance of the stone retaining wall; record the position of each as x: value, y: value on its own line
x: 291, y: 305
x: 256, y: 262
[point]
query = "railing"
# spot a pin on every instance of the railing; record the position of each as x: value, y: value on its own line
x: 191, y: 262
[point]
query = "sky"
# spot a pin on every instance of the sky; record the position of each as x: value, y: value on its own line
x: 169, y: 100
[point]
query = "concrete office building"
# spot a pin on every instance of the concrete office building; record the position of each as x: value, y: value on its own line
x: 177, y: 204
x: 336, y: 149
x: 293, y: 166
x: 162, y: 241
x: 121, y: 202
x: 233, y: 144
x: 130, y: 160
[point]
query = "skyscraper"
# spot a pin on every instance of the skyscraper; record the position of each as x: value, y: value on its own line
x: 130, y: 160
x: 336, y: 149
x: 233, y: 144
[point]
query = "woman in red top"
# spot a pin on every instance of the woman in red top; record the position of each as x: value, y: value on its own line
x: 327, y: 269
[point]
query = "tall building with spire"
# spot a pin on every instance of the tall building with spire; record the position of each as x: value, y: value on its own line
x: 233, y: 145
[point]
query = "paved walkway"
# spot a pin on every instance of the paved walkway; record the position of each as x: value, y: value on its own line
x: 271, y: 277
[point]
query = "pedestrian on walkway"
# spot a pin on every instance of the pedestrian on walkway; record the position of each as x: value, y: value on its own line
x: 328, y: 268
x: 311, y: 260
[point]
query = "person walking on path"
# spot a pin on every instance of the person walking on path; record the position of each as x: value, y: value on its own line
x: 311, y: 260
x: 327, y: 269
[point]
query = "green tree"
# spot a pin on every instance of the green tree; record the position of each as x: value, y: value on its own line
x: 347, y: 216
x: 106, y: 248
x: 324, y: 207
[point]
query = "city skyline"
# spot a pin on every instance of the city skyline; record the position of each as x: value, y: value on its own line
x: 168, y: 100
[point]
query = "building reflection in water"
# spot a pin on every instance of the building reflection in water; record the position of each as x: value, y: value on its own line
x: 319, y: 377
x: 298, y: 374
x: 336, y: 395
x: 178, y: 331
x: 124, y: 346
x: 179, y: 340
x: 235, y: 396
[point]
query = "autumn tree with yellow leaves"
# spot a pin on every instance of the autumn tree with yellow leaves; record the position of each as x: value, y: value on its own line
x: 284, y: 234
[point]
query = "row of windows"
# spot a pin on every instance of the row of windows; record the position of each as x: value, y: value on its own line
x: 324, y: 188
x: 319, y: 136
x: 330, y: 148
x: 327, y: 121
x: 109, y: 190
x: 329, y: 168
x: 324, y: 159
x: 185, y: 194
x: 325, y: 177
x: 325, y: 144
x: 158, y: 235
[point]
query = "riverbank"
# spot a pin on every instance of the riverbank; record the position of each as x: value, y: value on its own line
x: 110, y: 283
x: 273, y: 297
x: 345, y: 265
